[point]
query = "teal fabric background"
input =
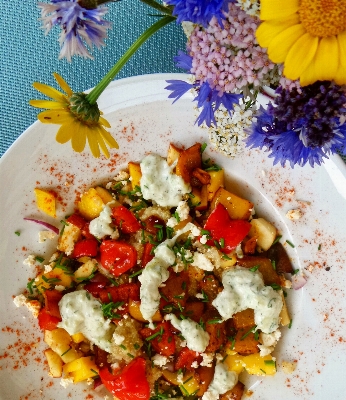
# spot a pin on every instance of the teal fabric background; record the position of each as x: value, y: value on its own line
x: 27, y: 55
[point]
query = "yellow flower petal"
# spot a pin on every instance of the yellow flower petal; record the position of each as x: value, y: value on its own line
x: 50, y: 92
x: 272, y: 9
x: 54, y: 116
x: 79, y: 136
x: 340, y: 76
x: 93, y: 143
x: 268, y: 30
x: 52, y: 105
x: 112, y: 143
x: 102, y: 143
x: 63, y: 84
x: 300, y: 56
x: 281, y: 44
x: 342, y: 48
x: 104, y: 122
x: 64, y: 133
x: 326, y: 60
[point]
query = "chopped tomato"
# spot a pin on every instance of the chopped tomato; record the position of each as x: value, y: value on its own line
x: 76, y: 220
x: 147, y: 254
x: 226, y: 233
x: 86, y: 231
x: 163, y: 342
x: 46, y: 321
x: 130, y: 384
x: 125, y: 220
x: 122, y: 292
x: 185, y: 358
x: 85, y: 247
x: 117, y: 257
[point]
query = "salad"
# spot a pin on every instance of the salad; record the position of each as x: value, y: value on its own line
x: 164, y: 284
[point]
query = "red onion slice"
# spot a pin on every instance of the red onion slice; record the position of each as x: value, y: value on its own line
x: 298, y: 281
x: 45, y: 224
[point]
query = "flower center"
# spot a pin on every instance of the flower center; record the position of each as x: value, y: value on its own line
x: 323, y: 17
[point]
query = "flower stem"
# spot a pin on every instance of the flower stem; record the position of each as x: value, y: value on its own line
x: 107, y: 79
x: 158, y: 6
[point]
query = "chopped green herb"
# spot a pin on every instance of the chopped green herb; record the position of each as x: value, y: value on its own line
x: 319, y: 247
x: 95, y: 372
x: 295, y: 271
x: 50, y: 280
x: 273, y: 264
x: 108, y: 309
x: 277, y: 239
x: 222, y: 242
x: 184, y: 390
x: 203, y: 147
x: 130, y: 355
x: 156, y: 334
x: 214, y: 321
x: 254, y: 268
x: 290, y: 324
x: 263, y: 371
x: 270, y: 362
x: 39, y: 259
x: 17, y: 233
x: 275, y: 286
x: 122, y: 346
x: 224, y: 359
x: 183, y: 285
x: 187, y: 380
x: 205, y: 297
x: 290, y: 243
x: 225, y: 257
x: 248, y: 332
x: 256, y: 335
x: 176, y: 216
x: 31, y: 285
x: 136, y: 273
x: 136, y: 346
x: 65, y: 352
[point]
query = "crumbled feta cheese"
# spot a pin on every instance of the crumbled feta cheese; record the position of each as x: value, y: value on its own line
x: 270, y: 339
x: 46, y: 235
x: 118, y: 339
x: 30, y: 260
x: 172, y: 222
x: 288, y: 367
x: 198, y: 214
x: 48, y: 268
x: 264, y: 350
x: 294, y: 214
x: 203, y: 239
x: 239, y: 251
x: 59, y: 288
x: 180, y: 378
x: 101, y: 226
x: 199, y: 296
x: 160, y: 360
x: 122, y: 176
x: 195, y: 231
x: 207, y: 360
x: 202, y: 262
x: 34, y: 306
x: 65, y: 382
x: 195, y: 364
x: 89, y: 381
x: 183, y: 210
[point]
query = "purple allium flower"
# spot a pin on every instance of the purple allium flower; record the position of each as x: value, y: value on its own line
x: 198, y: 11
x: 304, y: 125
x: 80, y: 26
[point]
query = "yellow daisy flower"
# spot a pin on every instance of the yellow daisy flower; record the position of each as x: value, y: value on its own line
x: 308, y: 36
x: 80, y: 121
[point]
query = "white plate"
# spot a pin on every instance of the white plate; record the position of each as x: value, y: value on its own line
x: 143, y: 120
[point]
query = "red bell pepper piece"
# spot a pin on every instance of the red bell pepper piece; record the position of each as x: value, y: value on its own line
x: 117, y: 257
x: 46, y: 321
x: 122, y: 292
x: 185, y: 359
x: 51, y: 302
x: 76, y: 220
x: 130, y: 384
x: 229, y: 233
x: 85, y: 247
x: 125, y: 220
x: 49, y: 316
x: 163, y: 342
x: 147, y: 254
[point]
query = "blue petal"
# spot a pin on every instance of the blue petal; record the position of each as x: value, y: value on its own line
x: 178, y: 88
x: 183, y: 60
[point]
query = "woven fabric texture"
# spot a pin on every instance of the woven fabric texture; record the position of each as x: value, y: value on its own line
x: 27, y: 55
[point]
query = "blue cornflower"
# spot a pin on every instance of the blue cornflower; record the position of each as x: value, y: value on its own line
x: 288, y: 143
x: 199, y: 11
x: 81, y: 27
x: 208, y: 99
